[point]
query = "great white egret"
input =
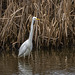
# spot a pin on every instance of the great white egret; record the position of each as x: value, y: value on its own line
x: 26, y: 47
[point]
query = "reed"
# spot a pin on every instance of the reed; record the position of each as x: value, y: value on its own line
x: 56, y: 26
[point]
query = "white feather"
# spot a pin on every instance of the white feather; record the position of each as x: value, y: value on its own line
x: 25, y: 48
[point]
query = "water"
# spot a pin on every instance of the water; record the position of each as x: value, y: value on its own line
x: 42, y: 62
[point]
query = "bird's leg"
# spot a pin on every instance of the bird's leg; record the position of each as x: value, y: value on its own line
x: 31, y: 56
x: 28, y: 56
x: 24, y: 55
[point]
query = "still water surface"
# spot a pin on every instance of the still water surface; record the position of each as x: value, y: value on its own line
x: 42, y: 62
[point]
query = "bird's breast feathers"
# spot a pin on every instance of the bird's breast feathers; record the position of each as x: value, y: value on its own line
x: 29, y: 44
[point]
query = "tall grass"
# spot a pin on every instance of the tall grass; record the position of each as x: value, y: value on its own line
x: 55, y: 28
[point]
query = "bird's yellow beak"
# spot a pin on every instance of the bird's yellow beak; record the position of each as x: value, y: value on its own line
x: 37, y: 19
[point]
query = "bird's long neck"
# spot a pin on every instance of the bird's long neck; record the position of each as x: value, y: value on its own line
x: 31, y: 31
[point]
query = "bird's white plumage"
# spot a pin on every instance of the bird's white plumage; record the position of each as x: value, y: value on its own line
x: 26, y: 47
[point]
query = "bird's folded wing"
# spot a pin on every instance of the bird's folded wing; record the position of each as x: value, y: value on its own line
x: 22, y: 50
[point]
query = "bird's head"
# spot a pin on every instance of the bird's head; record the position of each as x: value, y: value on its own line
x: 35, y: 18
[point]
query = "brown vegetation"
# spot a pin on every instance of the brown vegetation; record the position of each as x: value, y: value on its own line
x: 56, y: 26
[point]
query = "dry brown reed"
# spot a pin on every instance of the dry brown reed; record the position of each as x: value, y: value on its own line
x: 55, y: 28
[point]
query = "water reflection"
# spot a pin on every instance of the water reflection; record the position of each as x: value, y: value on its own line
x: 24, y: 67
x: 42, y: 62
x: 8, y: 64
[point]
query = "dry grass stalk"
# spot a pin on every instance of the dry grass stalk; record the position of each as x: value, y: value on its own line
x: 55, y: 25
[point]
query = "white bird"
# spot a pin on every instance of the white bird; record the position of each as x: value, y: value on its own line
x: 26, y: 47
